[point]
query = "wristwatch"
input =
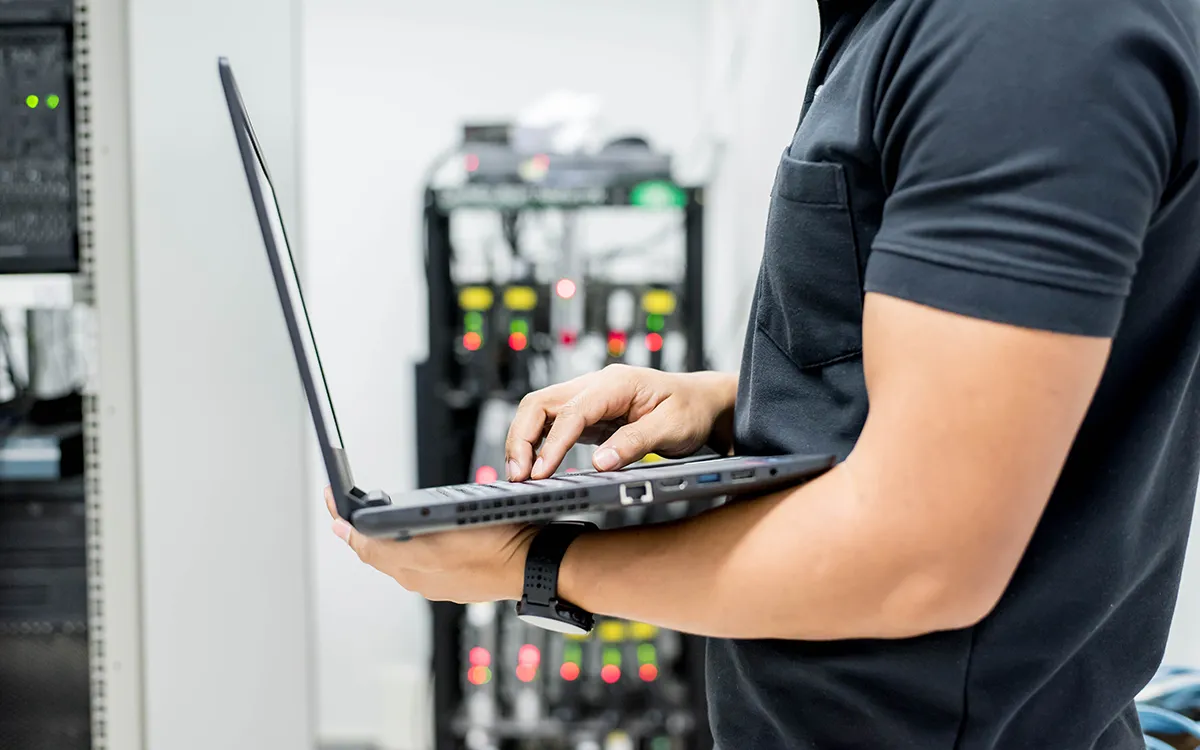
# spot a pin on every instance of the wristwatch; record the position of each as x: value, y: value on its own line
x: 540, y: 604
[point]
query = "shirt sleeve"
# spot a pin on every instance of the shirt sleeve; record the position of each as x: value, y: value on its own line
x: 1026, y: 146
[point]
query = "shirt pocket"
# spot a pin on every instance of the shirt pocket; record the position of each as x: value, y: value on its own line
x: 810, y: 287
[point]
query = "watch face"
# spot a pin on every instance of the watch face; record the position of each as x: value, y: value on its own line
x: 548, y: 623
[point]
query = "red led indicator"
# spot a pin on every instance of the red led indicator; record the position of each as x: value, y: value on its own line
x: 529, y: 654
x: 616, y: 343
x: 479, y: 675
x: 541, y: 162
x: 518, y: 341
x: 568, y: 338
x: 565, y: 288
x: 480, y: 657
x: 472, y: 162
x: 486, y: 475
x: 569, y: 671
x: 610, y: 673
x: 526, y: 672
x: 654, y: 342
x: 472, y: 341
x: 648, y: 672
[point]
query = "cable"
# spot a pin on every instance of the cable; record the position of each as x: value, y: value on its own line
x: 23, y: 400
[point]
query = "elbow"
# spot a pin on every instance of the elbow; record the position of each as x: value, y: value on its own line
x: 940, y: 597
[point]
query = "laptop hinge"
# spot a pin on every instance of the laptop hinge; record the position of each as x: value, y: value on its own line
x: 372, y: 499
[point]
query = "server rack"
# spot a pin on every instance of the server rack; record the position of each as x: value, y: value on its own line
x: 447, y: 417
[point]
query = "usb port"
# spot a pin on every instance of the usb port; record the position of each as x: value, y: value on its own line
x: 708, y: 478
x: 741, y: 474
x: 642, y: 492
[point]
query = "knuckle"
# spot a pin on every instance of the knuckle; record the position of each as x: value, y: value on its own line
x: 636, y: 439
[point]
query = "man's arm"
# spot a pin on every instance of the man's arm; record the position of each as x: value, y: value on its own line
x: 918, y: 530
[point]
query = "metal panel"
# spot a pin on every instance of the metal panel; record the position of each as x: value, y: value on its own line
x: 110, y: 443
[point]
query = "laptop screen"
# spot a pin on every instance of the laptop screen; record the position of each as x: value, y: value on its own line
x: 288, y: 278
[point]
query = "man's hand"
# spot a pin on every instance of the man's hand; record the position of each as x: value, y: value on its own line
x: 485, y: 564
x: 630, y: 411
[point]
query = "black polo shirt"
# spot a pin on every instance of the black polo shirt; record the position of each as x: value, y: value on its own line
x: 1025, y: 161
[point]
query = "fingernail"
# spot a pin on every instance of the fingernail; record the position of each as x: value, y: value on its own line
x: 606, y: 459
x: 342, y: 530
x: 514, y: 469
x: 538, y: 465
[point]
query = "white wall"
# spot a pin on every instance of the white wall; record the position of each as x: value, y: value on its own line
x: 387, y: 85
x: 225, y: 501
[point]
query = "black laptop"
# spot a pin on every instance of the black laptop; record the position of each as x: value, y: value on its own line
x: 441, y: 508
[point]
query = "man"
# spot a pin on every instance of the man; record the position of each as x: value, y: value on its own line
x: 987, y: 227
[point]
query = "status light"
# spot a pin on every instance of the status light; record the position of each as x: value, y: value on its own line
x: 610, y: 673
x: 648, y: 672
x: 52, y: 101
x: 565, y: 288
x: 473, y: 321
x: 572, y: 652
x: 568, y: 338
x: 517, y: 342
x: 472, y: 341
x: 655, y: 322
x: 519, y: 325
x: 654, y: 342
x: 529, y: 654
x: 480, y: 657
x: 526, y: 672
x: 612, y: 656
x: 569, y: 671
x: 472, y: 162
x: 647, y: 654
x: 486, y: 475
x: 616, y: 343
x: 479, y: 675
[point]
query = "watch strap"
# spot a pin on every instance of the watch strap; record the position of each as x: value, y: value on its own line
x: 544, y: 558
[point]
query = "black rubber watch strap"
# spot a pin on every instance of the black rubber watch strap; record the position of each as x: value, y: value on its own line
x: 545, y: 556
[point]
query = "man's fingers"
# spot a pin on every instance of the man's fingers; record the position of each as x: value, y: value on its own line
x: 633, y: 441
x: 527, y: 429
x: 605, y: 400
x: 363, y: 546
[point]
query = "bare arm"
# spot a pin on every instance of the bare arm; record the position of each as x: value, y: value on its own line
x: 919, y: 530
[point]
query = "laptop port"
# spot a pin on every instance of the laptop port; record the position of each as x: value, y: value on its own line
x: 708, y: 478
x: 642, y: 492
x: 741, y: 475
x: 673, y: 484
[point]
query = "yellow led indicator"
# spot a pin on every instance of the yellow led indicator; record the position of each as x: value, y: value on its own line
x: 658, y: 302
x: 52, y: 101
x: 574, y: 637
x: 475, y: 298
x: 611, y: 631
x: 520, y: 298
x: 31, y: 101
x: 640, y: 631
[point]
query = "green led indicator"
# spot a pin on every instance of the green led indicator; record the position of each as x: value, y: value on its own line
x: 31, y: 101
x: 52, y: 101
x: 655, y: 322
x: 573, y: 652
x: 520, y: 326
x: 657, y: 194
x: 612, y: 657
x: 473, y: 321
x: 647, y: 654
x: 660, y: 743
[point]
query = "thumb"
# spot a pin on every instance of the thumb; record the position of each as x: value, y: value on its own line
x: 633, y: 441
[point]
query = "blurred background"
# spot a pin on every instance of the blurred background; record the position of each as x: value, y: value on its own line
x: 484, y: 198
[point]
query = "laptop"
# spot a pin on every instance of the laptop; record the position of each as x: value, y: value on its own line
x: 403, y: 515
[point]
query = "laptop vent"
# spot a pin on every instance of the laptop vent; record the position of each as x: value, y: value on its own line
x: 526, y: 508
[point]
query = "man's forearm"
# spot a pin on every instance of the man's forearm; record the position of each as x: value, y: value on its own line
x: 814, y: 563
